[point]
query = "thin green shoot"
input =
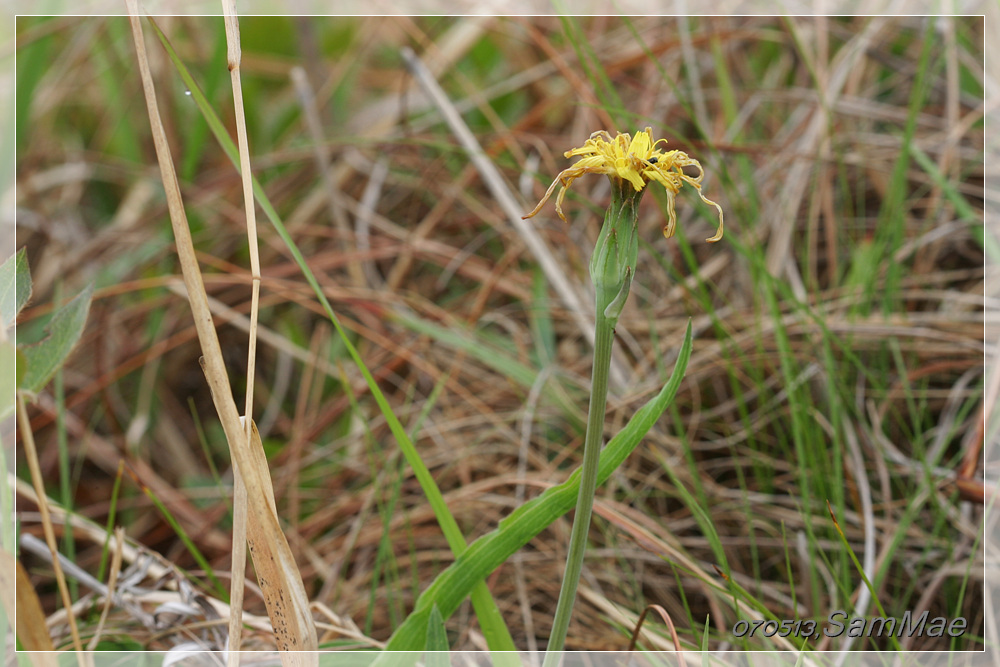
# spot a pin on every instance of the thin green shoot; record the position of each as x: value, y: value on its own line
x: 861, y: 571
x: 109, y: 527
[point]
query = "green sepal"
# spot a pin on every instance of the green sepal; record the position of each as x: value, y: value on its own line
x: 613, y: 263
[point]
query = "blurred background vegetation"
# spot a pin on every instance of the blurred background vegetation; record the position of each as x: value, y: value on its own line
x: 839, y: 324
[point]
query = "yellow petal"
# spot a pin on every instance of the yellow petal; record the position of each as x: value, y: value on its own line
x: 588, y: 163
x: 641, y: 144
x: 633, y: 177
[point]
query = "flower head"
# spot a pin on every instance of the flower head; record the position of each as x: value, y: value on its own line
x: 638, y: 161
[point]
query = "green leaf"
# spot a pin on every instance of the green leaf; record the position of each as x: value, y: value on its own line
x: 119, y: 644
x: 437, y: 640
x: 43, y: 358
x: 8, y: 378
x: 15, y: 287
x: 490, y: 551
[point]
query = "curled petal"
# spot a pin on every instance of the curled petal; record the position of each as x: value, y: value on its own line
x: 718, y: 232
x: 670, y: 228
x: 545, y: 198
x: 560, y: 197
x: 603, y: 134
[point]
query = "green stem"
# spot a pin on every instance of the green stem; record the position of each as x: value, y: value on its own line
x: 604, y: 339
x: 611, y: 270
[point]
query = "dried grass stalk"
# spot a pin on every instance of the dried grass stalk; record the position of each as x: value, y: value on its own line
x: 277, y: 573
x: 31, y: 454
x: 240, y: 509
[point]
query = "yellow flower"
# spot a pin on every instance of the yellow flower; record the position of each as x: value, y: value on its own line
x: 638, y: 161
